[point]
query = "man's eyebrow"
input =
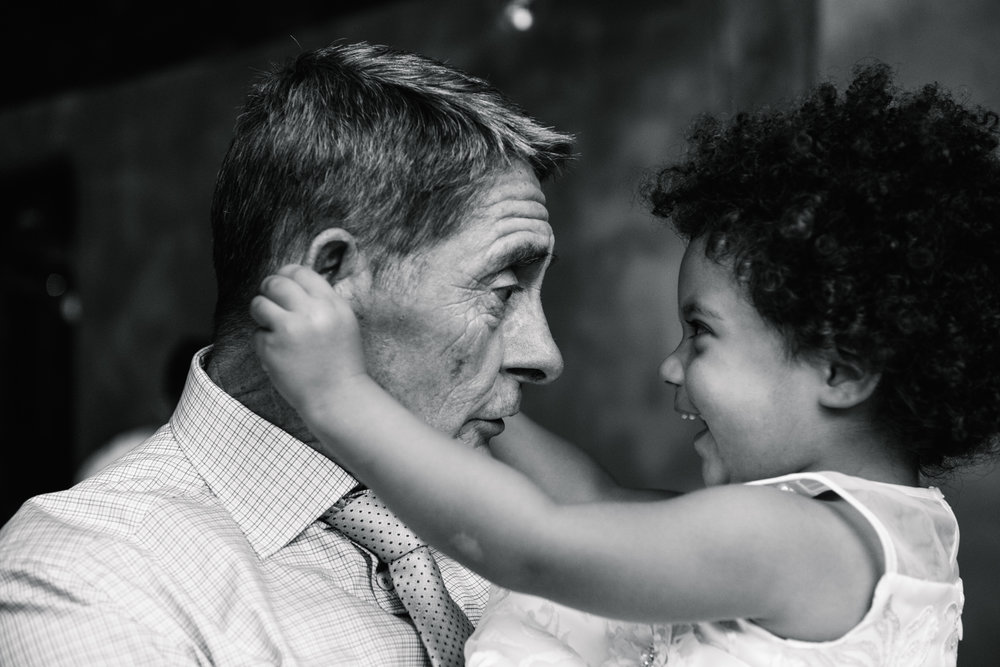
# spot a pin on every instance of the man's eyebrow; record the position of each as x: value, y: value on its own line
x: 522, y: 255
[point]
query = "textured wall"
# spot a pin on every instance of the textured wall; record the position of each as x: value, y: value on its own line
x: 625, y: 76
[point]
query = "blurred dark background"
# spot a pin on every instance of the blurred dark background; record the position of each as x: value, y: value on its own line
x: 114, y: 118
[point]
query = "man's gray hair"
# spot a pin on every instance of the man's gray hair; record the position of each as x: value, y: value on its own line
x: 390, y: 146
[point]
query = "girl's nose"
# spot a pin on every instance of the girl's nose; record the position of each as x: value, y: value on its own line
x: 671, y: 370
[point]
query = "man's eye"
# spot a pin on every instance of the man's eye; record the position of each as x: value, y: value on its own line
x: 506, y: 292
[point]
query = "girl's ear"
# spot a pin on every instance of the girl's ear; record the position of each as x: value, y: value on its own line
x: 848, y: 383
x: 335, y: 255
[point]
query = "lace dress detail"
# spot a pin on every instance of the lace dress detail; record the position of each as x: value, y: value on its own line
x: 915, y: 619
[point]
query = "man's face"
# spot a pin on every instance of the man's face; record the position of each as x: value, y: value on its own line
x: 460, y: 326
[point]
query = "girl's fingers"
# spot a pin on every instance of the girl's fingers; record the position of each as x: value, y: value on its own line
x: 260, y: 347
x: 288, y: 270
x: 265, y: 312
x: 309, y: 280
x: 284, y: 291
x: 313, y: 283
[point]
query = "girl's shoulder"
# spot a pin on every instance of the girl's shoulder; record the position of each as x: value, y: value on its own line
x: 838, y: 545
x: 916, y: 529
x: 914, y: 609
x: 816, y: 483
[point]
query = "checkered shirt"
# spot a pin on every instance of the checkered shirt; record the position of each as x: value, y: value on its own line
x: 204, y: 547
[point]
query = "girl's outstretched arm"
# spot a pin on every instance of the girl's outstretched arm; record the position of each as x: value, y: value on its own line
x: 563, y: 470
x: 795, y: 565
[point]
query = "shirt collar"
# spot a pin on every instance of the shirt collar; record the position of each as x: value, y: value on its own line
x: 271, y: 483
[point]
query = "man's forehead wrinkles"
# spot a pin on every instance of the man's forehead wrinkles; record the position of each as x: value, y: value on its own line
x: 512, y: 186
x: 503, y: 228
x: 521, y: 232
x: 506, y: 209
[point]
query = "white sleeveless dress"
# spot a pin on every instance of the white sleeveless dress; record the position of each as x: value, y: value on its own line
x: 914, y: 619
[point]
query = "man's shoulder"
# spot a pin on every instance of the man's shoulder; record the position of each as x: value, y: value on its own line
x: 110, y: 511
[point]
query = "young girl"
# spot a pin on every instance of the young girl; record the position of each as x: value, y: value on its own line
x: 841, y: 321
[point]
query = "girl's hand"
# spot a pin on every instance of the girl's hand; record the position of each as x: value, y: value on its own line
x: 308, y: 341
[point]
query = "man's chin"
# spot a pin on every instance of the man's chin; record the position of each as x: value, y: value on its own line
x: 477, y: 433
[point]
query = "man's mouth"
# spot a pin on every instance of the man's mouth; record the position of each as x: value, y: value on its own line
x: 489, y: 427
x: 478, y: 431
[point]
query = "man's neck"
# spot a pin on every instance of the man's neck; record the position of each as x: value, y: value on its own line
x: 238, y: 372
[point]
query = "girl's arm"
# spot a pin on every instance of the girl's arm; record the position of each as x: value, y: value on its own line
x: 725, y: 552
x: 795, y: 565
x: 563, y: 470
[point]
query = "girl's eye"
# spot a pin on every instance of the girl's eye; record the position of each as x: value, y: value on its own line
x: 697, y: 328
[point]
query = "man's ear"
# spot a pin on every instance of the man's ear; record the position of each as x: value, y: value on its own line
x: 847, y: 382
x: 334, y: 254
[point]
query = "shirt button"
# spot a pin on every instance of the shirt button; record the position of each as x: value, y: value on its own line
x: 384, y: 581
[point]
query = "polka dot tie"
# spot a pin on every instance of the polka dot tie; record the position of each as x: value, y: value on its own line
x: 442, y: 625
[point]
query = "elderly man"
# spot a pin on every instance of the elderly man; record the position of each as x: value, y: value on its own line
x: 414, y: 189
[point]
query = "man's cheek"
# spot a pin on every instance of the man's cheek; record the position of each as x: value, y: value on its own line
x: 477, y: 352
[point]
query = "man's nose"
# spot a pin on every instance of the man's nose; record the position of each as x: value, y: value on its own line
x: 530, y: 354
x: 672, y: 369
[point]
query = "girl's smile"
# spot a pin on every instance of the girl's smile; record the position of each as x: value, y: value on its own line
x: 732, y: 371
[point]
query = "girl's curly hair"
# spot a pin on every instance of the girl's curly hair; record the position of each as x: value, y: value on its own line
x: 865, y: 223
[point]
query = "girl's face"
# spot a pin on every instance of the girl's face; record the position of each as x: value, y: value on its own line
x: 760, y: 408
